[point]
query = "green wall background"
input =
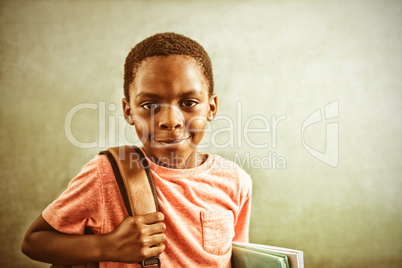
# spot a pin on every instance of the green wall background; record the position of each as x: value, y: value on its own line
x: 272, y: 58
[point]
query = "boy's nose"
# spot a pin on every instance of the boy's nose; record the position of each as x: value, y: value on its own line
x: 171, y: 118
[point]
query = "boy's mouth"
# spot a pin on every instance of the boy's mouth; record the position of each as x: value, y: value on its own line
x: 171, y: 141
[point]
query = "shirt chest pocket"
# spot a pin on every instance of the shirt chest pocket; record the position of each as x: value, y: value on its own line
x: 217, y: 231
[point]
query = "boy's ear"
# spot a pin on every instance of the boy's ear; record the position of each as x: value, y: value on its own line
x: 213, y: 107
x: 127, y: 112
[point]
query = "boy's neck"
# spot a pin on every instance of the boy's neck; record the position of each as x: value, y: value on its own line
x: 192, y: 161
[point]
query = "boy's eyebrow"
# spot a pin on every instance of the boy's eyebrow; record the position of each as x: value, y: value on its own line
x: 190, y: 93
x: 157, y: 96
x: 147, y: 95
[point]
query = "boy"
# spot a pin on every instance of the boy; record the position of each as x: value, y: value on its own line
x: 204, y: 200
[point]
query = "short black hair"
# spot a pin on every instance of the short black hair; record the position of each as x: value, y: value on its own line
x: 164, y: 44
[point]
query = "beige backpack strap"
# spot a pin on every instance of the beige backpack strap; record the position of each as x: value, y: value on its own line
x: 131, y: 170
x: 137, y: 179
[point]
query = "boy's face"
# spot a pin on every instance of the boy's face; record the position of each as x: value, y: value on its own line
x: 169, y: 106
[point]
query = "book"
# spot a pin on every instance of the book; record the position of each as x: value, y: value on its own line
x: 257, y: 255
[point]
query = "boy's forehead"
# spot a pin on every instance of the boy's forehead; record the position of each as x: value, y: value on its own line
x: 156, y: 63
x: 180, y: 74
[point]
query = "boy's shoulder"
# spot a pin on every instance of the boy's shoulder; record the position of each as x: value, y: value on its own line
x: 227, y: 167
x: 224, y: 162
x: 96, y: 169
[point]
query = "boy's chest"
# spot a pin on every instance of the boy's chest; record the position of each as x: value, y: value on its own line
x: 180, y: 199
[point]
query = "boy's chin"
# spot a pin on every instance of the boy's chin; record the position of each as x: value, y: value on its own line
x: 170, y: 155
x: 178, y: 146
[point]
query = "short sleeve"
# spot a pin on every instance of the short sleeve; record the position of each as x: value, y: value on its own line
x: 80, y: 205
x: 243, y: 220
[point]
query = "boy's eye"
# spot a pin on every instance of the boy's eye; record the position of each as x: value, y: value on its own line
x: 188, y: 103
x: 150, y: 106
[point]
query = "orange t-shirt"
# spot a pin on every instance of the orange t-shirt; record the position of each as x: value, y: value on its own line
x: 205, y: 208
